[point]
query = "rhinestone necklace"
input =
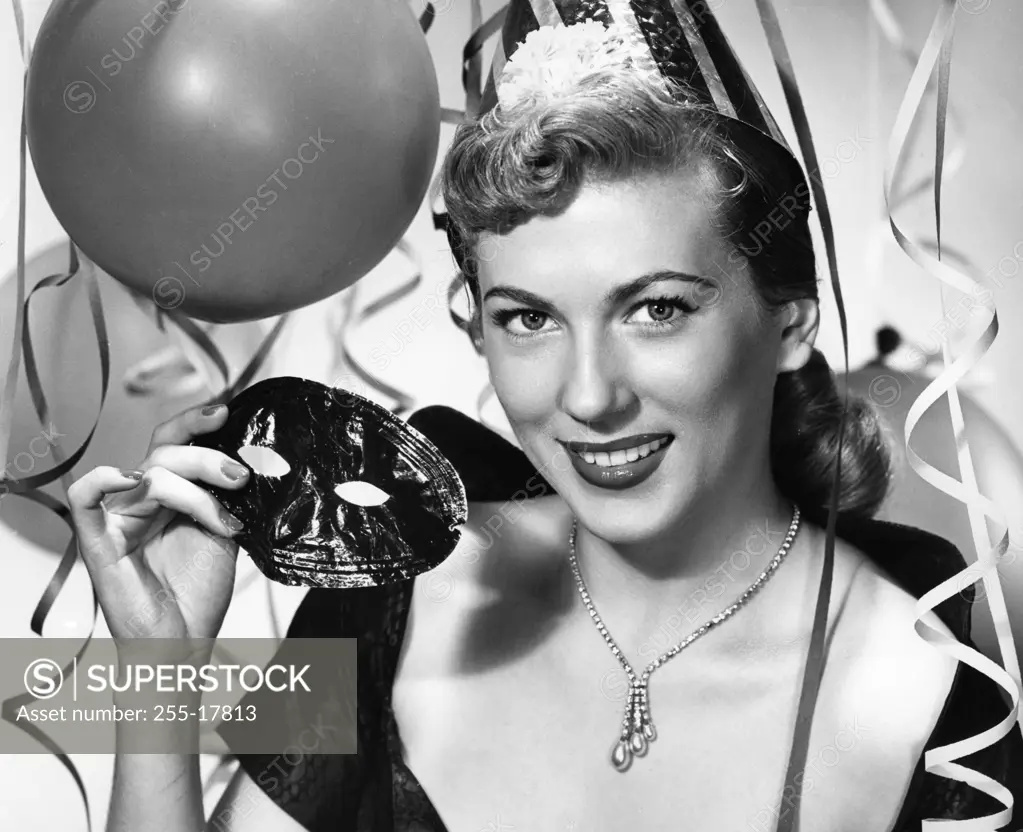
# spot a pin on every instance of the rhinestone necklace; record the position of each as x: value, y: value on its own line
x: 637, y: 727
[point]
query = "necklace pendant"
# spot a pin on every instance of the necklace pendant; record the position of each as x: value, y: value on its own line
x: 637, y: 743
x: 621, y: 757
x: 638, y: 730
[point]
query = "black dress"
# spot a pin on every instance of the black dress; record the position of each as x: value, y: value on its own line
x: 374, y: 791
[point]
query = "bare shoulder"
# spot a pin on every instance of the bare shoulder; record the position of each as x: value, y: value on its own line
x: 522, y: 524
x: 881, y: 695
x: 510, y: 542
x: 889, y: 675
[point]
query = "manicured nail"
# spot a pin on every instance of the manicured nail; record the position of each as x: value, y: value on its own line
x: 213, y: 409
x: 132, y: 475
x: 233, y: 471
x: 232, y: 522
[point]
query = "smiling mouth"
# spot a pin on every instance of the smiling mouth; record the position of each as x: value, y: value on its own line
x: 611, y: 459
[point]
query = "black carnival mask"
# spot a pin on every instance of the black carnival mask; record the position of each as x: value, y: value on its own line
x: 341, y: 492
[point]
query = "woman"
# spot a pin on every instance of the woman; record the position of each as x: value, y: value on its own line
x: 653, y: 349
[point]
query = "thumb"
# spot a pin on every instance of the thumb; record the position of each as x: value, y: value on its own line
x: 86, y: 495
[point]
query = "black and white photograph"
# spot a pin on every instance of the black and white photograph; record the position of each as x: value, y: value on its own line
x: 511, y: 415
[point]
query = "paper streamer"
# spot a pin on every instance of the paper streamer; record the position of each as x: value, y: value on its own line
x: 940, y: 761
x: 892, y: 31
x: 8, y: 709
x: 354, y: 319
x: 472, y: 85
x: 783, y: 65
x: 472, y: 57
x: 934, y: 759
x: 30, y: 487
x: 11, y: 380
x: 816, y: 655
x: 167, y: 370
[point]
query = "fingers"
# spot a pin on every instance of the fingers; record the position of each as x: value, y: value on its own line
x: 85, y: 495
x: 182, y: 428
x: 178, y: 494
x: 199, y: 464
x: 158, y: 485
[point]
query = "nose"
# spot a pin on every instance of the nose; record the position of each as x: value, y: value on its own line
x: 594, y: 383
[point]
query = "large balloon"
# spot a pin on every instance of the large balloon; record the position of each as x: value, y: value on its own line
x: 997, y: 462
x: 231, y: 158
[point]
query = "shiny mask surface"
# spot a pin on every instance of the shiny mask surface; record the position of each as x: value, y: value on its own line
x: 402, y: 499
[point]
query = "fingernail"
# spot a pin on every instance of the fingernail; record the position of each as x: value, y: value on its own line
x: 131, y: 475
x: 213, y: 409
x: 233, y: 471
x: 232, y: 522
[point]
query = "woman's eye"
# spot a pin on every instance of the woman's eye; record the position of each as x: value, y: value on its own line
x: 664, y: 310
x: 527, y: 321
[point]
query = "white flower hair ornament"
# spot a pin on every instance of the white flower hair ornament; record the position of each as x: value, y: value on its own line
x: 552, y: 60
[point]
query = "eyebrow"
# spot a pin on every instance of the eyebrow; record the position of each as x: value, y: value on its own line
x: 614, y: 297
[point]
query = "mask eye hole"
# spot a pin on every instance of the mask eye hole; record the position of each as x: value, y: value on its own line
x: 264, y: 461
x: 361, y: 493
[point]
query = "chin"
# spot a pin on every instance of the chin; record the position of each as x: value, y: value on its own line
x: 627, y: 517
x: 617, y: 530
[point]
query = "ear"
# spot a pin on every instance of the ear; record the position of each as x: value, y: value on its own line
x: 802, y: 319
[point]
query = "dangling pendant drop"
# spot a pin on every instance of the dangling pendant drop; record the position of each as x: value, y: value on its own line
x: 621, y: 757
x: 637, y: 742
x: 637, y: 729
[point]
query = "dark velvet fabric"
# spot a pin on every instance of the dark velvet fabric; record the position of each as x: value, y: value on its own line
x: 375, y: 792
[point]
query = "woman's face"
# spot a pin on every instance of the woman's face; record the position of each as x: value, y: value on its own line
x: 624, y: 321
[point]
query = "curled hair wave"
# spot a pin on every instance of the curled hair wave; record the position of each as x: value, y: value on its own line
x: 508, y: 167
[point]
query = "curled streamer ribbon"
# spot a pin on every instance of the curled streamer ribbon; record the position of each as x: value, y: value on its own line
x: 888, y: 25
x: 472, y: 84
x: 29, y: 487
x: 788, y: 821
x: 354, y: 318
x: 471, y: 79
x: 768, y: 18
x: 940, y: 761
